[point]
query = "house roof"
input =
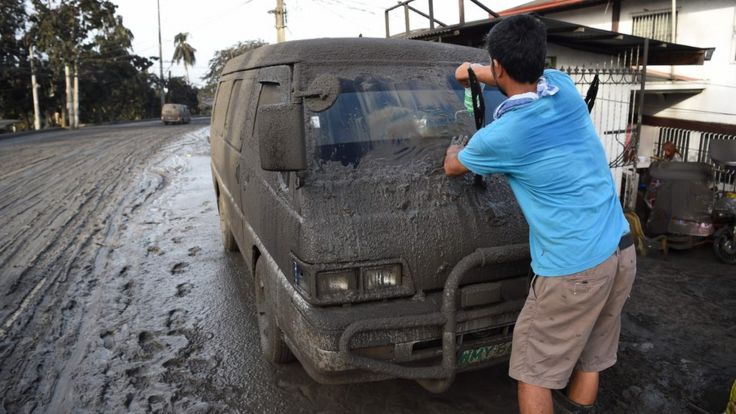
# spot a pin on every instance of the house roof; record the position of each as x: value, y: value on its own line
x: 547, y: 6
x: 574, y: 36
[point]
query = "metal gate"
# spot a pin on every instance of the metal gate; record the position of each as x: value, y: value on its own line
x: 614, y: 115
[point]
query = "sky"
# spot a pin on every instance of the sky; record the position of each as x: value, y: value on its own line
x: 219, y: 24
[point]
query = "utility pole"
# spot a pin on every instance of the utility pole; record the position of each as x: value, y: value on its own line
x: 160, y: 57
x: 69, y: 106
x: 280, y: 13
x: 75, y: 100
x: 34, y: 86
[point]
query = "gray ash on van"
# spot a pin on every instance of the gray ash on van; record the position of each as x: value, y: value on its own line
x: 369, y: 262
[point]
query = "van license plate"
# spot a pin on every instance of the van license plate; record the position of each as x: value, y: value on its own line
x: 483, y: 353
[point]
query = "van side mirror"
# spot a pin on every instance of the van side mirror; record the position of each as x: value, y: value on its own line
x: 280, y: 132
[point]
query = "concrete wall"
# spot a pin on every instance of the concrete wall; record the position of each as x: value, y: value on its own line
x: 566, y: 57
x: 598, y: 16
x: 649, y: 135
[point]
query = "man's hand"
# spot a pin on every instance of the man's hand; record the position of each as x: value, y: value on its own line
x: 452, y: 166
x: 461, y: 140
x: 483, y: 73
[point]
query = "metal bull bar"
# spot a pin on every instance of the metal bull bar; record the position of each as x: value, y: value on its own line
x: 439, y: 377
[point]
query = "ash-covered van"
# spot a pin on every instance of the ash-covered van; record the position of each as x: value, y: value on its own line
x: 172, y: 113
x: 369, y: 263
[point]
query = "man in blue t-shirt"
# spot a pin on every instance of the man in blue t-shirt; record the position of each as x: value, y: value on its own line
x: 542, y: 139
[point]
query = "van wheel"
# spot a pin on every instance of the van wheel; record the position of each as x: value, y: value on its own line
x: 273, y: 347
x: 228, y: 240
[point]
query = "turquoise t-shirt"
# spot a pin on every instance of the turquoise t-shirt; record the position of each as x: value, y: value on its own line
x: 556, y: 166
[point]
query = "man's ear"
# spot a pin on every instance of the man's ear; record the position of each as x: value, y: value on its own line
x: 498, y: 68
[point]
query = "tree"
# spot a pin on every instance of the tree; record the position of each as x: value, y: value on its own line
x: 87, y: 36
x: 184, y: 51
x: 180, y: 91
x: 116, y: 85
x: 15, y: 72
x: 64, y: 31
x: 217, y: 63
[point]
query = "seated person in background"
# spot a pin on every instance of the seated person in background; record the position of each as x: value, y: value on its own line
x: 670, y: 152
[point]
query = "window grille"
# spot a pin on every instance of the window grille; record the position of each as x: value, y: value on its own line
x: 657, y: 26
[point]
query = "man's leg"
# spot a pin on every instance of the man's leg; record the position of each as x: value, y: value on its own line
x: 602, y: 347
x: 552, y: 330
x: 534, y: 399
x: 583, y: 387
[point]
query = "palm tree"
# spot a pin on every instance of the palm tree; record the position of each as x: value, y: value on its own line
x: 184, y: 51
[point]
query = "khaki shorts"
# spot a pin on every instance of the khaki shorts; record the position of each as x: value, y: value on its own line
x: 572, y: 322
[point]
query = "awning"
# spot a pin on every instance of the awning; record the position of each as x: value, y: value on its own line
x: 574, y: 36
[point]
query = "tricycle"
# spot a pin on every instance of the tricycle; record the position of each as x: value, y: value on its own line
x: 689, y: 208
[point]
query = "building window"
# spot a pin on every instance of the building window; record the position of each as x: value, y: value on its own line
x: 657, y: 26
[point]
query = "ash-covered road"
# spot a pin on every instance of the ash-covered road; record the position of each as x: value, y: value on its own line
x: 116, y: 296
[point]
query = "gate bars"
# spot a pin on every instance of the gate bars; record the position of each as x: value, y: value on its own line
x: 614, y: 115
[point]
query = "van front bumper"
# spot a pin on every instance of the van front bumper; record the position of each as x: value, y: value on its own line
x: 435, y: 336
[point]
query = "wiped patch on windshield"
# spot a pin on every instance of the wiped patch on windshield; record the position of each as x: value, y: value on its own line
x: 386, y: 119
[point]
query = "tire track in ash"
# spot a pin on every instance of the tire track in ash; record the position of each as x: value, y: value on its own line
x: 70, y: 205
x: 28, y: 195
x: 57, y: 214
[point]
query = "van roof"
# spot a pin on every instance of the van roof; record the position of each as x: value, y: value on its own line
x: 352, y: 49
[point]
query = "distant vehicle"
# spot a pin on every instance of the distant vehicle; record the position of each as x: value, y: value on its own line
x: 368, y: 262
x: 172, y: 113
x: 8, y: 124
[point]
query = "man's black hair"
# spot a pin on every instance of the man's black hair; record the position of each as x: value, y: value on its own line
x: 519, y: 44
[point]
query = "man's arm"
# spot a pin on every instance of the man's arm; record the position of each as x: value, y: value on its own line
x: 482, y: 72
x: 453, y: 167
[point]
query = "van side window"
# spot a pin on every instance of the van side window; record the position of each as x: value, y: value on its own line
x: 249, y: 96
x: 272, y: 93
x: 246, y: 112
x: 220, y: 111
x: 232, y: 126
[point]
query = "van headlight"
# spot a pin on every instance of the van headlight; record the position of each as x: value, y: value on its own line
x: 333, y: 282
x: 379, y: 277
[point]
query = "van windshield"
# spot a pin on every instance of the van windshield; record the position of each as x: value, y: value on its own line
x: 391, y: 120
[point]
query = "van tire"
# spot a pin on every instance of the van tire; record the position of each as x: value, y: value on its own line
x: 228, y: 240
x: 273, y: 347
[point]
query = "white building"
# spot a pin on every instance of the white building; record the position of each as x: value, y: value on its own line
x: 684, y: 104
